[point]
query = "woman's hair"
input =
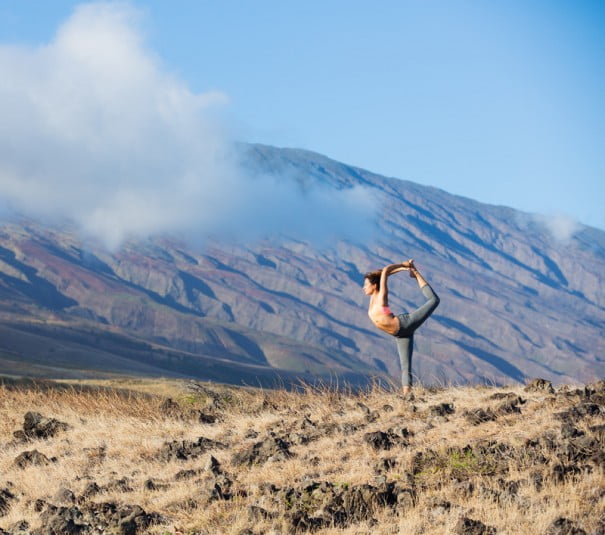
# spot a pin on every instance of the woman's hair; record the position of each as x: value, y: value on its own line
x: 373, y: 276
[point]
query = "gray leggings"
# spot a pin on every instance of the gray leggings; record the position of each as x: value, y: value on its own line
x: 408, y: 324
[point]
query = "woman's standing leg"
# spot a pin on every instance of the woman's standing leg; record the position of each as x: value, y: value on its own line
x: 405, y: 347
x: 409, y: 323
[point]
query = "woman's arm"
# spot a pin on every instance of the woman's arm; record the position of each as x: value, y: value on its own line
x: 396, y: 268
x: 383, y: 291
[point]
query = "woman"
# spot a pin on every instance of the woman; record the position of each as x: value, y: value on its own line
x: 403, y: 325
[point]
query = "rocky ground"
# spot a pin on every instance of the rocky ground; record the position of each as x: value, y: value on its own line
x: 195, y: 458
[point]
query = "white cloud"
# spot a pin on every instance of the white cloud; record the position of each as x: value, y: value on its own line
x: 95, y: 129
x: 561, y: 226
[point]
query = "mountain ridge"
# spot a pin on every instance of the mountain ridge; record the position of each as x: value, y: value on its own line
x: 515, y: 301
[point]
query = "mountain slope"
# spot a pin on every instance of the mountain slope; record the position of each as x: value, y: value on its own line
x: 515, y: 302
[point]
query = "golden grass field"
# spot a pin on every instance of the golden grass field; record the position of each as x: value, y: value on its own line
x: 518, y: 472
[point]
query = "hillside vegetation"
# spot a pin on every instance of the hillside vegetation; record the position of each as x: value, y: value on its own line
x: 178, y: 457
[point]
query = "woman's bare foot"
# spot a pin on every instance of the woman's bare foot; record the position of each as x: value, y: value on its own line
x: 406, y: 393
x: 412, y: 268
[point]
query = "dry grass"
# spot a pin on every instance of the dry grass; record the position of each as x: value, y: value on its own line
x: 117, y: 429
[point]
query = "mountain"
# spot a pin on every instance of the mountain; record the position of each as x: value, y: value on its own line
x: 515, y: 301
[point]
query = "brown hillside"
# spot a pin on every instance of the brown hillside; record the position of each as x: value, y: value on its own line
x: 172, y: 457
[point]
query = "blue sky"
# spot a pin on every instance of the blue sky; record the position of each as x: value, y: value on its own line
x: 500, y: 101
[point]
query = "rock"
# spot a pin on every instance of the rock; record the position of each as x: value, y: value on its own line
x: 364, y: 408
x: 564, y: 526
x: 379, y: 440
x: 186, y: 449
x: 271, y: 449
x: 479, y: 416
x: 322, y: 504
x: 119, y: 485
x: 537, y: 479
x: 91, y: 489
x: 96, y: 518
x: 539, y: 385
x: 6, y: 498
x: 33, y: 457
x: 256, y: 513
x: 569, y: 431
x: 560, y: 472
x: 251, y: 433
x: 182, y: 475
x: 153, y: 485
x: 442, y: 409
x: 206, y: 418
x: 36, y: 426
x: 577, y: 449
x: 40, y: 505
x: 64, y: 520
x: 510, y: 405
x: 372, y: 417
x: 213, y: 466
x: 503, y: 395
x: 349, y: 428
x: 385, y: 464
x: 301, y: 438
x: 468, y: 526
x: 578, y: 412
x: 18, y: 528
x: 216, y: 489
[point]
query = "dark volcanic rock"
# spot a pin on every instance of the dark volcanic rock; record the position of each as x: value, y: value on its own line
x: 186, y: 449
x: 510, y: 405
x: 385, y: 440
x: 33, y: 457
x: 119, y: 485
x: 96, y: 518
x: 18, y: 528
x: 479, y: 416
x: 443, y: 409
x: 468, y: 526
x: 271, y: 449
x: 564, y: 526
x: 569, y: 431
x: 6, y: 497
x: 386, y: 464
x: 67, y: 520
x: 578, y: 412
x: 153, y: 485
x: 37, y: 426
x: 256, y: 513
x: 91, y: 490
x: 320, y: 505
x: 182, y: 475
x: 540, y: 385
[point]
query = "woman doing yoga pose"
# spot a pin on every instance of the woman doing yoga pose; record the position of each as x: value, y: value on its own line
x: 402, y: 326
